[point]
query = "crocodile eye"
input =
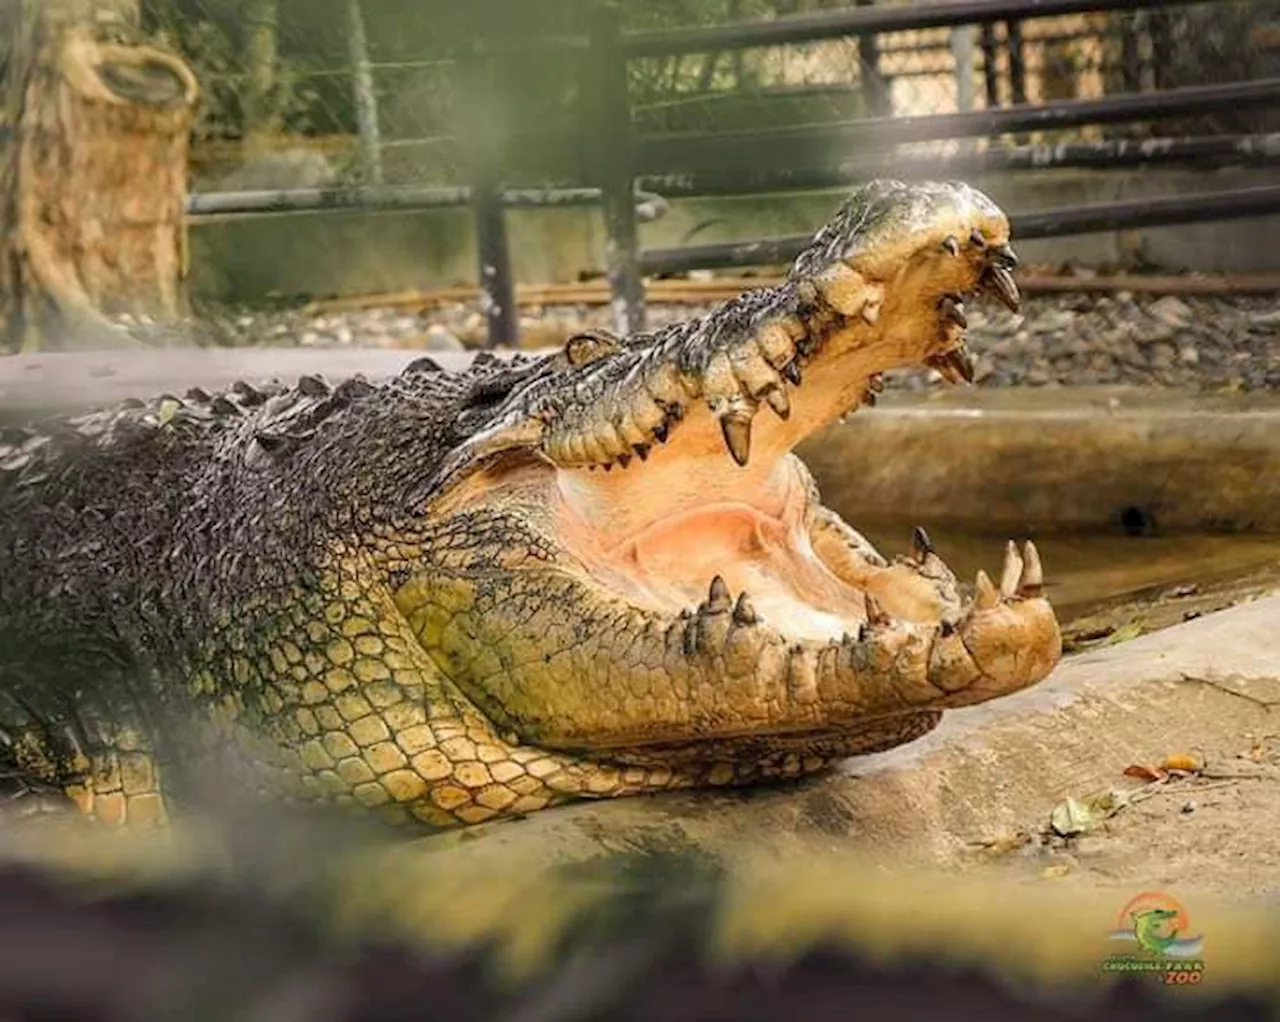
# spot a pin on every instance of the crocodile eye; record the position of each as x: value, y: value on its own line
x: 589, y: 346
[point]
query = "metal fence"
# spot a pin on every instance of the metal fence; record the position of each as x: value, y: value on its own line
x: 309, y: 103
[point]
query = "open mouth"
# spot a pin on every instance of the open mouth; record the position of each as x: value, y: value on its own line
x: 701, y: 583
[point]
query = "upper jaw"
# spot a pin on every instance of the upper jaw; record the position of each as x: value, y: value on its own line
x: 870, y: 299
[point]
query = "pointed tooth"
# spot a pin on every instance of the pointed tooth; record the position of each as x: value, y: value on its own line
x: 608, y: 466
x: 921, y: 545
x: 950, y: 245
x: 743, y: 611
x: 735, y: 427
x: 876, y: 614
x: 624, y: 460
x: 802, y: 678
x: 953, y: 309
x: 642, y: 451
x: 1012, y: 570
x: 875, y: 382
x: 777, y: 399
x: 976, y: 239
x: 1032, y: 582
x: 956, y: 365
x: 718, y: 599
x: 870, y: 399
x: 1004, y: 256
x: 1000, y: 281
x: 986, y: 595
x: 963, y: 362
x: 792, y: 372
x: 660, y: 433
x: 871, y: 312
x: 689, y: 638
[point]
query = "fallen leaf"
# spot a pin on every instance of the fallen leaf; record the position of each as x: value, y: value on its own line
x: 1128, y: 630
x: 1055, y: 872
x: 1144, y: 773
x: 1002, y: 844
x: 1185, y: 762
x: 1076, y: 816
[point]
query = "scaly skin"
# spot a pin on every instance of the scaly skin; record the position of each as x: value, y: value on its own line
x: 459, y: 596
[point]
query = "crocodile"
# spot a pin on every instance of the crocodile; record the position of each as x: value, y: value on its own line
x: 450, y: 597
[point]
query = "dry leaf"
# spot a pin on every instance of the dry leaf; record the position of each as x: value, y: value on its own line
x: 1128, y: 630
x: 1077, y: 815
x: 1002, y: 844
x: 1186, y: 762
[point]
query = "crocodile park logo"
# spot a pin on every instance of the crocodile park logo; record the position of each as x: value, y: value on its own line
x: 1159, y: 929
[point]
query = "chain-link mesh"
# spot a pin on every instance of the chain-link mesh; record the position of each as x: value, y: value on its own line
x: 283, y: 104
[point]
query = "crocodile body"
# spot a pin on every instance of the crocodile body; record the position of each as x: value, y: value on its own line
x: 456, y: 596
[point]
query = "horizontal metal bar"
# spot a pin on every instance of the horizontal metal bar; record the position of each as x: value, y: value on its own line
x: 303, y: 200
x: 1215, y: 150
x: 1054, y: 223
x: 800, y: 28
x: 811, y: 145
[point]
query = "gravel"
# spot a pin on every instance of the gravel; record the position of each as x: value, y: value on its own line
x: 1212, y: 343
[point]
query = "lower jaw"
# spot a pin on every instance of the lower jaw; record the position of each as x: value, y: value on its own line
x: 800, y: 751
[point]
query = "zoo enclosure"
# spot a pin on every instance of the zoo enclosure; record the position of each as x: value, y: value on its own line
x: 584, y: 103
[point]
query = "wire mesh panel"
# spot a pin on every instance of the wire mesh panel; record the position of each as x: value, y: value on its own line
x: 313, y: 93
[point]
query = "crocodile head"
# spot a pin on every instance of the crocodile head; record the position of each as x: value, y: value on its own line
x: 638, y: 574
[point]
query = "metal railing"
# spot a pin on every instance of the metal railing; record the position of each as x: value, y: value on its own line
x: 621, y: 132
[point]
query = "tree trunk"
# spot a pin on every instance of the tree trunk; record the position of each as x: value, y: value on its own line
x: 93, y: 173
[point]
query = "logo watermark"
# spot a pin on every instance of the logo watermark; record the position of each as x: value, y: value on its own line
x: 1158, y: 928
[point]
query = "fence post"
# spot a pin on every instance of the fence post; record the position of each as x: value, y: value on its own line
x: 1017, y: 62
x: 366, y: 102
x: 990, y: 64
x: 962, y: 55
x: 874, y: 88
x: 608, y: 151
x: 482, y: 152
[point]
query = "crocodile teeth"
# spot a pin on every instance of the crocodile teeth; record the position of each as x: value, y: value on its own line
x: 876, y: 614
x: 642, y: 451
x: 776, y: 398
x: 1032, y: 581
x: 792, y: 372
x: 718, y: 599
x: 735, y: 426
x: 987, y: 596
x: 953, y: 309
x: 1000, y: 280
x: 743, y: 611
x: 871, y: 312
x: 875, y: 383
x: 955, y: 365
x: 976, y: 239
x: 921, y: 545
x: 624, y: 460
x: 1012, y: 570
x: 1004, y: 256
x: 950, y: 245
x: 660, y: 433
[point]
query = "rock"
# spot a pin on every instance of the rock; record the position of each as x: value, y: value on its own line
x: 1267, y: 322
x: 1188, y: 355
x: 1170, y: 310
x: 437, y: 338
